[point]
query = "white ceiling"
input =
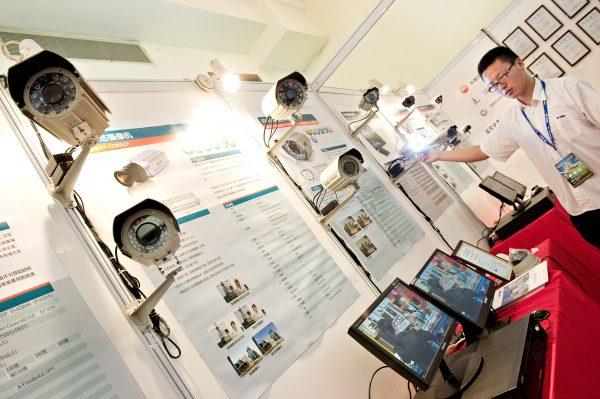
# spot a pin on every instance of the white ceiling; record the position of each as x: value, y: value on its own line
x: 413, y: 41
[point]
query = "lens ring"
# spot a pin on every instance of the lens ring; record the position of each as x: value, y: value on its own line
x: 148, y: 234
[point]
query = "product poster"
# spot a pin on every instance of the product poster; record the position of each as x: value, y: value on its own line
x: 256, y: 287
x: 375, y: 228
x: 50, y: 343
x: 455, y: 174
x: 425, y: 191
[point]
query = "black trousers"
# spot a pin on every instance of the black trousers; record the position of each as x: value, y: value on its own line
x: 588, y: 225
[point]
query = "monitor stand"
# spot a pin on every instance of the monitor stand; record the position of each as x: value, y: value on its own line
x: 459, y: 373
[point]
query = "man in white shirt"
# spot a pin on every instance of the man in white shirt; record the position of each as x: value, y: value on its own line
x: 551, y: 120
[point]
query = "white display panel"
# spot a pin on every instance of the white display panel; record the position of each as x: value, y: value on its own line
x: 62, y: 330
x: 432, y: 196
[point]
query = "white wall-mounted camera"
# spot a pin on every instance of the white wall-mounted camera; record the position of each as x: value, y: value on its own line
x: 50, y: 91
x: 149, y: 234
x: 143, y: 166
x: 368, y: 102
x: 283, y: 101
x: 342, y: 173
x: 286, y: 97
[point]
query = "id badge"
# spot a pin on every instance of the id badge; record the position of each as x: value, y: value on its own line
x: 574, y: 170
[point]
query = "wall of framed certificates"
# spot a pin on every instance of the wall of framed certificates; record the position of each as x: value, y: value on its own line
x: 554, y: 37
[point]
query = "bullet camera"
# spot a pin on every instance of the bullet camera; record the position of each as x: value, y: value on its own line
x: 343, y: 171
x: 50, y: 91
x: 298, y: 147
x: 149, y: 234
x: 286, y: 97
x: 369, y: 99
x: 143, y: 166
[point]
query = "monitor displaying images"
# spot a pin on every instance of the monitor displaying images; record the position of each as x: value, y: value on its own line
x: 462, y: 291
x: 405, y: 331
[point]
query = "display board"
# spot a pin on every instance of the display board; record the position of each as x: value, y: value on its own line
x: 62, y: 333
x: 256, y: 287
x: 411, y: 233
x: 420, y: 182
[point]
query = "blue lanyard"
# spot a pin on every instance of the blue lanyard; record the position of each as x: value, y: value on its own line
x: 550, y: 142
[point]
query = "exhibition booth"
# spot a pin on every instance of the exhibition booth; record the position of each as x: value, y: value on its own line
x: 254, y: 221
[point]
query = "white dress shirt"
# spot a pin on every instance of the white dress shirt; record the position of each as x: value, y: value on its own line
x: 574, y: 111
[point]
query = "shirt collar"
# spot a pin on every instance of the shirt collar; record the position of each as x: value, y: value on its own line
x: 538, y: 94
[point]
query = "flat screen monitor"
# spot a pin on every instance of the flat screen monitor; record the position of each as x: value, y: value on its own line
x: 507, y: 181
x: 483, y: 261
x: 499, y: 190
x: 406, y: 332
x: 455, y: 287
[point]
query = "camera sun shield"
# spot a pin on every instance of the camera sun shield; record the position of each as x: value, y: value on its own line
x: 147, y: 233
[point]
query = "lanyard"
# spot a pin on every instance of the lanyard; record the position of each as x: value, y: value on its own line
x: 550, y: 142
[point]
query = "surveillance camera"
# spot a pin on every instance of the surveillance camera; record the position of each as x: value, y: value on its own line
x: 369, y: 99
x: 343, y: 171
x: 50, y: 91
x: 286, y: 97
x: 298, y: 147
x: 141, y: 167
x: 147, y: 233
x: 408, y: 101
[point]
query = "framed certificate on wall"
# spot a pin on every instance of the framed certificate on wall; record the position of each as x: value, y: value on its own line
x: 544, y: 67
x: 519, y: 42
x: 569, y: 47
x: 543, y: 22
x: 590, y: 24
x: 571, y: 7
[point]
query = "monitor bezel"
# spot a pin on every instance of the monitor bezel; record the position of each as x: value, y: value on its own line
x: 496, y: 194
x: 478, y: 268
x: 522, y: 188
x: 395, y: 364
x: 476, y: 326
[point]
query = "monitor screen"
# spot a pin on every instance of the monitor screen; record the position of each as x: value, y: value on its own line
x: 507, y: 181
x: 466, y: 294
x: 406, y: 332
x: 499, y: 190
x: 483, y: 260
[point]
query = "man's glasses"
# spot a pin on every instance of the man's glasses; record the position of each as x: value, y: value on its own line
x: 492, y: 88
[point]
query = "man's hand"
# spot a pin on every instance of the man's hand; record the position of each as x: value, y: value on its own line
x: 429, y: 156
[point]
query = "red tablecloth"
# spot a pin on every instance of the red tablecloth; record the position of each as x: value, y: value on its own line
x: 573, y: 354
x: 568, y: 248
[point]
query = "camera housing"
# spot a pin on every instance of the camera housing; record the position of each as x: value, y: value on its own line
x: 49, y: 90
x: 408, y: 102
x: 343, y: 171
x: 147, y: 232
x: 369, y: 99
x: 286, y: 97
x: 298, y: 147
x: 143, y: 166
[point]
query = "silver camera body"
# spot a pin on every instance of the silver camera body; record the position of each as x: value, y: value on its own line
x: 286, y: 97
x: 343, y: 171
x: 143, y: 166
x: 49, y: 90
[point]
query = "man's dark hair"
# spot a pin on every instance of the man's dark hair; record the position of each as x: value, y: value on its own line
x: 498, y: 53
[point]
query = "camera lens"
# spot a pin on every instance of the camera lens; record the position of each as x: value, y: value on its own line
x: 350, y: 167
x: 53, y: 93
x: 148, y: 233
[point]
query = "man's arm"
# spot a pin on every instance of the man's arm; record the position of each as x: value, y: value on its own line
x: 469, y: 154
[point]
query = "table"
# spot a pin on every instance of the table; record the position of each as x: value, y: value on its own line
x: 573, y: 352
x: 568, y: 248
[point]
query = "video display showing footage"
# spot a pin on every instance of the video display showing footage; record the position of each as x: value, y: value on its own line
x: 409, y: 328
x: 455, y: 284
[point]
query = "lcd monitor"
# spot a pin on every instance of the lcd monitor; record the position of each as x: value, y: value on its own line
x: 458, y: 289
